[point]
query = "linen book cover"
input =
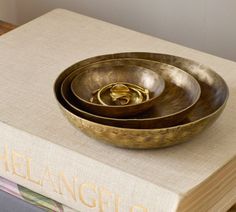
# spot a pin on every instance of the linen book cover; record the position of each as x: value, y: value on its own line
x: 41, y: 151
x: 39, y: 200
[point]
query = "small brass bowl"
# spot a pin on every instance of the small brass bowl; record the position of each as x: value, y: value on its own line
x: 209, y: 107
x: 180, y: 95
x: 104, y: 75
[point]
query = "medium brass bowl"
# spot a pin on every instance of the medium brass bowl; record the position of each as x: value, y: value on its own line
x: 178, y: 98
x: 209, y: 107
x: 95, y: 76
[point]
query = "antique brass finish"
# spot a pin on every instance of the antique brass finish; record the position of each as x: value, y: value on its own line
x: 210, y: 105
x: 122, y: 93
x: 93, y: 79
x: 171, y: 107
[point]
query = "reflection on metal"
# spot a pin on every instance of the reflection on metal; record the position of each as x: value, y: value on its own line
x: 154, y: 128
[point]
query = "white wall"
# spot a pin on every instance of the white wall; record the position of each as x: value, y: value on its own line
x: 8, y: 11
x: 207, y: 25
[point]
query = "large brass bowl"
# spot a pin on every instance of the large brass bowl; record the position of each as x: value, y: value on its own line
x: 95, y: 76
x: 179, y: 97
x: 210, y: 105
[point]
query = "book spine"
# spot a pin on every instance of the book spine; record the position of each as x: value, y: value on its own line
x: 76, y: 180
x: 31, y: 197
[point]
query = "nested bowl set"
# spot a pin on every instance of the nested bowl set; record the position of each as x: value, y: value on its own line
x: 140, y: 100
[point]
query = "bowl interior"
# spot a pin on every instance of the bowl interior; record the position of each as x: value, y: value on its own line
x: 94, y: 77
x: 181, y: 92
x: 210, y: 105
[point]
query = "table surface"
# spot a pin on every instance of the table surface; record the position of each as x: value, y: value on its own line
x: 6, y: 27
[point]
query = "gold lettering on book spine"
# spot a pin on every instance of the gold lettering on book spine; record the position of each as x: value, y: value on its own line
x: 5, y: 158
x: 138, y: 208
x: 117, y: 203
x: 17, y: 164
x: 82, y: 189
x: 89, y: 194
x: 28, y: 169
x: 71, y: 188
x: 104, y: 198
x: 47, y: 177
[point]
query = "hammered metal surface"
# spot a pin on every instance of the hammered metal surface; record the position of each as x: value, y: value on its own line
x: 210, y: 105
x: 96, y: 76
x: 178, y: 98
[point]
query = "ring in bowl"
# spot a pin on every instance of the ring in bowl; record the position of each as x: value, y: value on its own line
x: 118, y: 91
x: 209, y: 107
x: 181, y: 93
x: 91, y: 79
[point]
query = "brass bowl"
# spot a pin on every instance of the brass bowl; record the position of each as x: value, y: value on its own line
x: 209, y: 107
x: 178, y: 98
x: 86, y: 84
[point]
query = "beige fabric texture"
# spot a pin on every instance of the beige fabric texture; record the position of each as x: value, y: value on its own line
x: 33, y: 55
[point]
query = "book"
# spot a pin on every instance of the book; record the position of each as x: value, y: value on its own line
x: 41, y: 151
x: 31, y: 197
x: 11, y: 203
x: 38, y: 200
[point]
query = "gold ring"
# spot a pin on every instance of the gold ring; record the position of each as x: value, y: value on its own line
x: 139, y: 90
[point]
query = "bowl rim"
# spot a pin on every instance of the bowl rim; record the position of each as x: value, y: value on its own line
x: 137, y: 130
x: 206, y: 117
x: 131, y: 119
x: 115, y: 106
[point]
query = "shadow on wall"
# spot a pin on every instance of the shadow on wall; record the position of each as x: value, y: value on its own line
x: 206, y: 25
